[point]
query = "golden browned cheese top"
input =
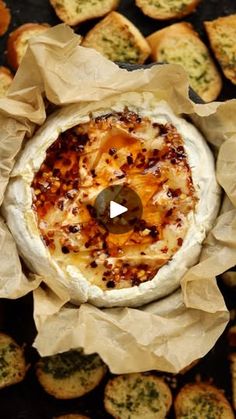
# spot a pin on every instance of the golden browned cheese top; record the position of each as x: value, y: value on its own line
x: 117, y: 148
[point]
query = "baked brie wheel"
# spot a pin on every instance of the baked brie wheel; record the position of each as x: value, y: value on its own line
x: 79, y: 152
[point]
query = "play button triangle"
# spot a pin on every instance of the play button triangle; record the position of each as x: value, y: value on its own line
x: 116, y: 209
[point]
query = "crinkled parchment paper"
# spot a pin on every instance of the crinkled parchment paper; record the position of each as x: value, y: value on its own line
x: 165, y: 335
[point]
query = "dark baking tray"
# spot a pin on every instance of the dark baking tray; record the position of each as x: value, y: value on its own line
x: 27, y: 400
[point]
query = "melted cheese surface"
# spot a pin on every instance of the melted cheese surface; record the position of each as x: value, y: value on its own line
x: 120, y: 148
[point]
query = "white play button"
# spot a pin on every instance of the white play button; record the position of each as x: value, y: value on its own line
x: 116, y: 209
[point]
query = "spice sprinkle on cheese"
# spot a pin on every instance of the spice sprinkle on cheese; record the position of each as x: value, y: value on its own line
x: 108, y: 150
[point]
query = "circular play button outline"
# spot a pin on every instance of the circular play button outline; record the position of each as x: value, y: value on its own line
x: 123, y: 200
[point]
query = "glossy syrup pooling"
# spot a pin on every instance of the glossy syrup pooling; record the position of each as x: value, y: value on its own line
x: 118, y: 148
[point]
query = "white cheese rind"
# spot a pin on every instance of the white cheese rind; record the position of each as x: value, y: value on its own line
x: 21, y: 219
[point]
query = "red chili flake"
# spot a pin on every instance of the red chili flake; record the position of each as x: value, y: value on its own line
x: 153, y: 232
x: 142, y: 253
x: 65, y: 249
x: 74, y: 229
x: 75, y: 210
x: 152, y: 162
x: 110, y: 284
x: 130, y: 160
x: 164, y: 249
x: 169, y: 212
x: 173, y: 193
x: 93, y: 264
x: 70, y: 194
x: 180, y: 241
x: 93, y: 173
x: 135, y: 281
x: 60, y: 205
x: 112, y: 151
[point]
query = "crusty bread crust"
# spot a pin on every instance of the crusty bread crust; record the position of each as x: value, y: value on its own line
x: 126, y: 29
x: 162, y: 14
x: 132, y: 396
x: 5, y: 18
x: 201, y: 399
x: 171, y: 37
x: 72, y: 18
x: 221, y: 33
x: 15, y: 38
x: 13, y: 365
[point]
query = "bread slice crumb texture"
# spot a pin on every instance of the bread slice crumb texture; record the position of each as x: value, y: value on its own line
x: 180, y: 44
x: 118, y: 39
x: 202, y: 401
x: 167, y: 9
x: 222, y: 36
x: 74, y: 12
x: 12, y: 362
x: 6, y: 78
x: 70, y: 374
x: 135, y: 396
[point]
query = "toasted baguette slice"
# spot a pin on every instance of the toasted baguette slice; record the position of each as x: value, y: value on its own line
x: 72, y: 416
x: 12, y: 362
x: 202, y: 401
x: 6, y: 78
x: 74, y: 12
x: 5, y: 18
x: 135, y: 396
x: 167, y: 9
x: 70, y: 374
x: 233, y: 375
x: 222, y: 36
x: 18, y: 41
x: 180, y: 44
x: 118, y: 39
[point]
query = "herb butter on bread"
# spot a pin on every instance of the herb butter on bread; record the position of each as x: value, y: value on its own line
x: 180, y: 44
x: 12, y: 362
x: 134, y: 396
x: 70, y: 374
x: 202, y: 401
x: 118, y: 39
x: 167, y: 9
x: 74, y: 12
x: 18, y: 41
x: 222, y: 36
x: 6, y: 78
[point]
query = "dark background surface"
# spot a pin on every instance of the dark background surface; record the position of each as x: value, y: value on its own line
x: 27, y: 400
